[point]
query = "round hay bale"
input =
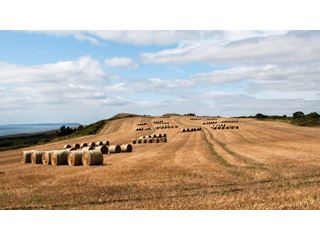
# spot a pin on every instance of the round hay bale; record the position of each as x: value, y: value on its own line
x: 154, y: 136
x: 188, y: 130
x: 134, y: 141
x: 99, y: 143
x: 164, y: 139
x: 75, y: 146
x: 150, y: 140
x: 115, y: 148
x: 26, y: 156
x: 105, y: 143
x: 160, y: 135
x: 59, y: 157
x: 46, y: 157
x: 92, y: 144
x: 102, y: 148
x: 145, y: 140
x: 88, y: 148
x: 36, y: 157
x: 164, y: 135
x: 157, y: 140
x: 183, y: 130
x: 149, y: 136
x: 66, y: 146
x: 75, y: 158
x: 82, y: 145
x: 237, y: 127
x: 139, y: 141
x: 126, y: 148
x: 92, y: 157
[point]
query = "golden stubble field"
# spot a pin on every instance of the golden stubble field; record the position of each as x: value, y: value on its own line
x: 262, y: 165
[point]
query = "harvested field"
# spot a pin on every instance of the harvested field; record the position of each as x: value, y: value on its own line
x: 261, y: 165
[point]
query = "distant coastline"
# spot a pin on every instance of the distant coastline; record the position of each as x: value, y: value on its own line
x: 17, y: 129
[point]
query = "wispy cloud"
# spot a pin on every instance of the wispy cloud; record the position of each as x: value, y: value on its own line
x: 161, y: 37
x: 292, y: 47
x: 121, y: 62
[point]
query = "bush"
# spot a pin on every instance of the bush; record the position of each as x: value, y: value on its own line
x: 260, y: 116
x: 298, y: 114
x: 311, y: 119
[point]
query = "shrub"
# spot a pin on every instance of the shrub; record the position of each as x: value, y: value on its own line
x: 298, y: 114
x: 260, y: 116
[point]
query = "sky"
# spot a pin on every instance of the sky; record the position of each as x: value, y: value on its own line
x: 85, y: 76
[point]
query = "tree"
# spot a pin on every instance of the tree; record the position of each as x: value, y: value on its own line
x: 63, y: 129
x: 260, y: 116
x: 298, y: 114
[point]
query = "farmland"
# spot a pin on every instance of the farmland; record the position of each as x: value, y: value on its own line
x: 261, y: 165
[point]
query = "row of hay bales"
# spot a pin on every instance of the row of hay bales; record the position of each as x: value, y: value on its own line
x: 230, y: 121
x: 160, y: 122
x: 193, y: 119
x: 212, y: 122
x: 90, y: 155
x: 151, y: 139
x: 219, y: 125
x: 166, y: 127
x: 224, y: 127
x: 191, y: 129
x: 142, y: 124
x: 141, y: 129
x: 83, y: 145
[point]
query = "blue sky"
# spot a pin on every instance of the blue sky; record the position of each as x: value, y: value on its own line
x: 84, y: 76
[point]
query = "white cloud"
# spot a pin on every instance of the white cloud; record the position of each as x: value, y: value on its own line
x: 129, y: 37
x: 292, y: 78
x: 160, y: 37
x: 121, y: 62
x: 82, y: 70
x: 294, y: 47
x: 138, y: 37
x: 86, y: 38
x: 63, y: 87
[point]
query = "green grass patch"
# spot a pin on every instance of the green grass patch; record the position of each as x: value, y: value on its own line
x: 215, y: 154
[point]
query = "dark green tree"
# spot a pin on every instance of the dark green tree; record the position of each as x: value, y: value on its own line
x: 260, y: 116
x: 298, y: 114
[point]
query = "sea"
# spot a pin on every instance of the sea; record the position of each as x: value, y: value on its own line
x: 10, y: 129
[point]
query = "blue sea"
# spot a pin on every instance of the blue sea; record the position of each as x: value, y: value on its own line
x: 10, y: 129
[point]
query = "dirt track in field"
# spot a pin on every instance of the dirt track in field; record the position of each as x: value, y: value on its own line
x: 262, y: 165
